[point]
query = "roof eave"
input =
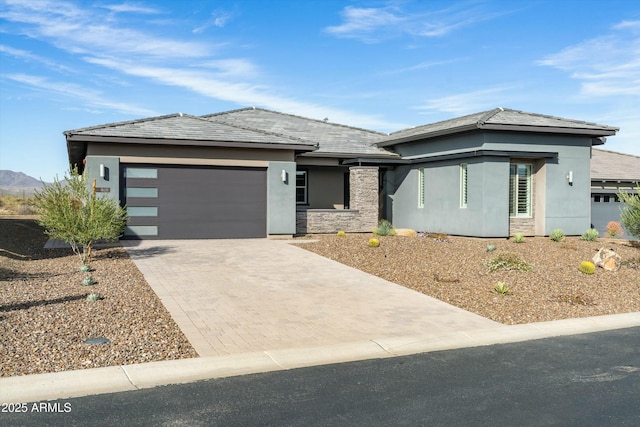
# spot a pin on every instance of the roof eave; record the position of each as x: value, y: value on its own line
x: 549, y: 129
x: 188, y: 142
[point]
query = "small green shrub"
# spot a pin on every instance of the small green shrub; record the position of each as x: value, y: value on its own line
x: 518, y: 238
x: 94, y: 297
x: 85, y: 268
x: 87, y: 281
x: 341, y: 233
x: 501, y: 288
x: 374, y: 243
x: 491, y: 248
x: 587, y: 267
x: 591, y: 235
x: 384, y: 228
x: 557, y: 235
x: 508, y: 261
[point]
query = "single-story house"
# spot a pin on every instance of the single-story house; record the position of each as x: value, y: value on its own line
x: 255, y: 173
x: 611, y: 173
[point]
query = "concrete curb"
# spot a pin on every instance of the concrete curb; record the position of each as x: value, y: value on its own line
x: 64, y: 385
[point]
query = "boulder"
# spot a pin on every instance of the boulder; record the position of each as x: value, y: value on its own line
x: 405, y: 232
x: 607, y: 259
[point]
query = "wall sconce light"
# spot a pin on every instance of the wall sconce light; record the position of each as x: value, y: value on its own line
x: 283, y: 175
x: 570, y: 177
x: 102, y: 171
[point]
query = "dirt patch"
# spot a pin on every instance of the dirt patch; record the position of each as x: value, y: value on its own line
x: 455, y: 270
x: 45, y: 316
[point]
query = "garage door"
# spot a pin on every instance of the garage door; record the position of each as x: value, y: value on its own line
x: 194, y: 202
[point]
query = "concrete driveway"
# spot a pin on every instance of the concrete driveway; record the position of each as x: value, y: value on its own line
x: 239, y: 296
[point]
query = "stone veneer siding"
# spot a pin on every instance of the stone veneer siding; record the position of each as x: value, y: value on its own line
x: 362, y: 216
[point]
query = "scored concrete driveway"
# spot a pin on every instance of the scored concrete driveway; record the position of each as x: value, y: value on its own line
x: 247, y: 295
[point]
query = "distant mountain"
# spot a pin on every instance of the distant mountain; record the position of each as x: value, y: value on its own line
x: 18, y: 183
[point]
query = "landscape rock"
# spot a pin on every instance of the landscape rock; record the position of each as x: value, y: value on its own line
x: 607, y: 259
x: 405, y: 232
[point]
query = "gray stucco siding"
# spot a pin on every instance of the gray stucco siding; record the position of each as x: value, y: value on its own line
x: 325, y: 186
x: 109, y: 185
x: 281, y: 198
x: 487, y: 210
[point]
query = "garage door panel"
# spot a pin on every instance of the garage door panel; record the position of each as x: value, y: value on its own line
x: 201, y: 202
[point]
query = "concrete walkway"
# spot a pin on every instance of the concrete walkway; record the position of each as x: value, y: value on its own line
x: 250, y: 306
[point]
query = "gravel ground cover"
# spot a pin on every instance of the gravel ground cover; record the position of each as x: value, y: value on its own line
x: 45, y: 316
x: 454, y: 270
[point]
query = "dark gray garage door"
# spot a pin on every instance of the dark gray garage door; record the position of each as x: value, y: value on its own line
x: 193, y: 202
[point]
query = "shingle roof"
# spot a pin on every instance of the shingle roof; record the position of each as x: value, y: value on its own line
x: 332, y: 138
x: 499, y: 119
x: 609, y: 165
x: 178, y: 127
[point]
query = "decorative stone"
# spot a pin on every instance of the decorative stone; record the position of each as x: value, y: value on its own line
x: 607, y: 259
x: 98, y: 340
x: 406, y: 232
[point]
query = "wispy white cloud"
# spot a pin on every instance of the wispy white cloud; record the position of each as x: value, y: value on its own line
x: 77, y: 92
x: 608, y: 65
x: 131, y: 8
x: 219, y: 19
x: 78, y: 30
x: 28, y: 56
x: 87, y: 34
x: 372, y: 25
x: 469, y: 102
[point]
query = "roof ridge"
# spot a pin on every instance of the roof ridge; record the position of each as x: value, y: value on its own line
x: 264, y: 132
x: 489, y: 114
x: 442, y: 121
x: 296, y: 116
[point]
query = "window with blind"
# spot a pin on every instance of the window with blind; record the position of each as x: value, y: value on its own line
x: 520, y: 190
x: 463, y: 185
x: 421, y: 188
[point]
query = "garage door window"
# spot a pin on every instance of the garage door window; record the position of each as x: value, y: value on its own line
x: 142, y: 210
x: 141, y: 173
x: 141, y: 230
x: 141, y: 192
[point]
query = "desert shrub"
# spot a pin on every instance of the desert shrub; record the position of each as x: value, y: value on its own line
x: 501, y: 288
x: 508, y: 261
x: 614, y: 229
x: 384, y: 228
x: 632, y: 263
x: 557, y: 235
x: 491, y: 248
x: 591, y: 235
x: 75, y: 215
x: 373, y: 242
x: 630, y: 214
x: 576, y: 299
x: 518, y: 238
x: 587, y: 267
x: 341, y: 233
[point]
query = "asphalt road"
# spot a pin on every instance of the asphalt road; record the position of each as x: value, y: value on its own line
x: 580, y: 380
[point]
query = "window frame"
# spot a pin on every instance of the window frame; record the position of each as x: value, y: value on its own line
x: 305, y: 187
x: 420, y: 188
x: 464, y: 185
x: 514, y: 198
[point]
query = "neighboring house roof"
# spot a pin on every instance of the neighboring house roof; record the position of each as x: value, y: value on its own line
x: 500, y: 119
x: 332, y: 139
x: 611, y: 166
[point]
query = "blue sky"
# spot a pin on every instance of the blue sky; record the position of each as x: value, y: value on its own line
x: 380, y: 65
